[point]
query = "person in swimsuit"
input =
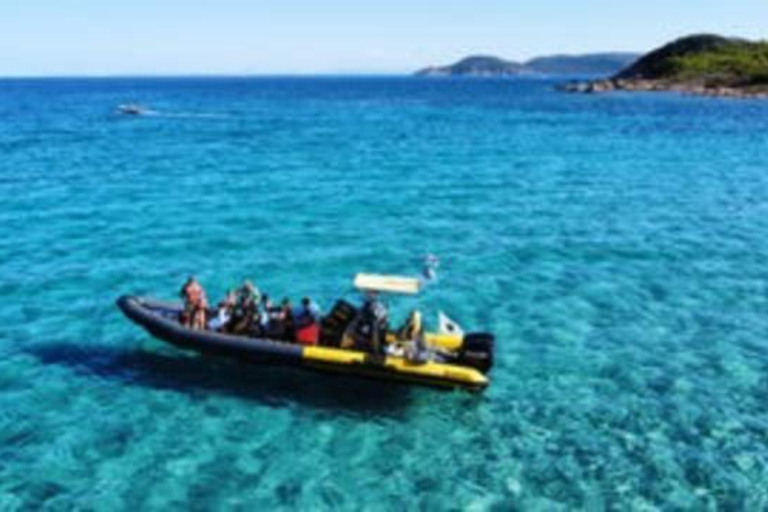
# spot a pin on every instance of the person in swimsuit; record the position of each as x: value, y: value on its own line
x: 195, y: 304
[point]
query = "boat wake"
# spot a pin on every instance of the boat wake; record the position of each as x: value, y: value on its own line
x: 135, y: 110
x: 192, y: 115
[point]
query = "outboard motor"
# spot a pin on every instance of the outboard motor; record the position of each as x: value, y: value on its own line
x: 477, y: 351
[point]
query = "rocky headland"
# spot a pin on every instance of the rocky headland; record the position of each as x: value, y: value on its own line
x: 475, y: 65
x: 707, y: 65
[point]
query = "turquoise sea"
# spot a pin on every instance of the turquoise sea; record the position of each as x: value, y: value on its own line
x: 617, y: 245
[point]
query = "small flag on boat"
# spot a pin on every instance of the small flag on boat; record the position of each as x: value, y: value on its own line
x: 448, y: 326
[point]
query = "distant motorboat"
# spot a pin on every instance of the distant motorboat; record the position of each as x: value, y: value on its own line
x: 132, y: 109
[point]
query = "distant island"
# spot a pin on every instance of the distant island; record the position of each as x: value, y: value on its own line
x: 490, y: 66
x: 476, y: 65
x: 705, y: 64
x: 589, y: 64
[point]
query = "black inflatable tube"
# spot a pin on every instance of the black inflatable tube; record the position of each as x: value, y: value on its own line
x: 161, y: 321
x: 158, y: 319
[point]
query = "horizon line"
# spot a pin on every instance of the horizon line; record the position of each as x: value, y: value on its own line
x: 204, y: 74
x: 414, y: 74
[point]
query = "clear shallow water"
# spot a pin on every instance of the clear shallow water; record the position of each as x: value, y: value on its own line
x: 615, y: 244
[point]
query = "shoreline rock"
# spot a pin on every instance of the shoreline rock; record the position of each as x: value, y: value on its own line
x: 647, y: 85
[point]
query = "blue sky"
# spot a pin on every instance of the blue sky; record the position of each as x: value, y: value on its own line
x: 100, y: 37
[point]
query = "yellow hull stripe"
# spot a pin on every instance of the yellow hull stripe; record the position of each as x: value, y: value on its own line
x: 399, y: 366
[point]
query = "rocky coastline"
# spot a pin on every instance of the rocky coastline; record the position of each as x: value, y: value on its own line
x: 699, y: 88
x: 700, y: 64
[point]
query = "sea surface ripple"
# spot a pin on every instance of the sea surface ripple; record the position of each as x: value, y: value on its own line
x: 615, y: 244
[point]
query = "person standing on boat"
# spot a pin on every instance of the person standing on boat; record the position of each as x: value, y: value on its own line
x: 195, y: 304
x: 187, y: 295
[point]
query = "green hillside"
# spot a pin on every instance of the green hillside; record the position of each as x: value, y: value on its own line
x: 708, y: 58
x: 745, y: 62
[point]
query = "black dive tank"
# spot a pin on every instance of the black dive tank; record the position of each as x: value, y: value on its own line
x: 477, y: 351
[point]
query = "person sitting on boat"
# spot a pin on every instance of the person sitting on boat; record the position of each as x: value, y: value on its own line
x: 283, y: 323
x: 412, y: 327
x: 307, y: 322
x: 266, y: 313
x: 245, y: 310
x: 195, y: 304
x: 224, y: 313
x: 412, y: 333
x: 308, y: 313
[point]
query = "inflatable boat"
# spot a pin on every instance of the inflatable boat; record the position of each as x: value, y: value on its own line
x: 454, y: 360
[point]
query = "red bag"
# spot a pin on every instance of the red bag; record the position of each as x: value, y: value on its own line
x: 308, y: 335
